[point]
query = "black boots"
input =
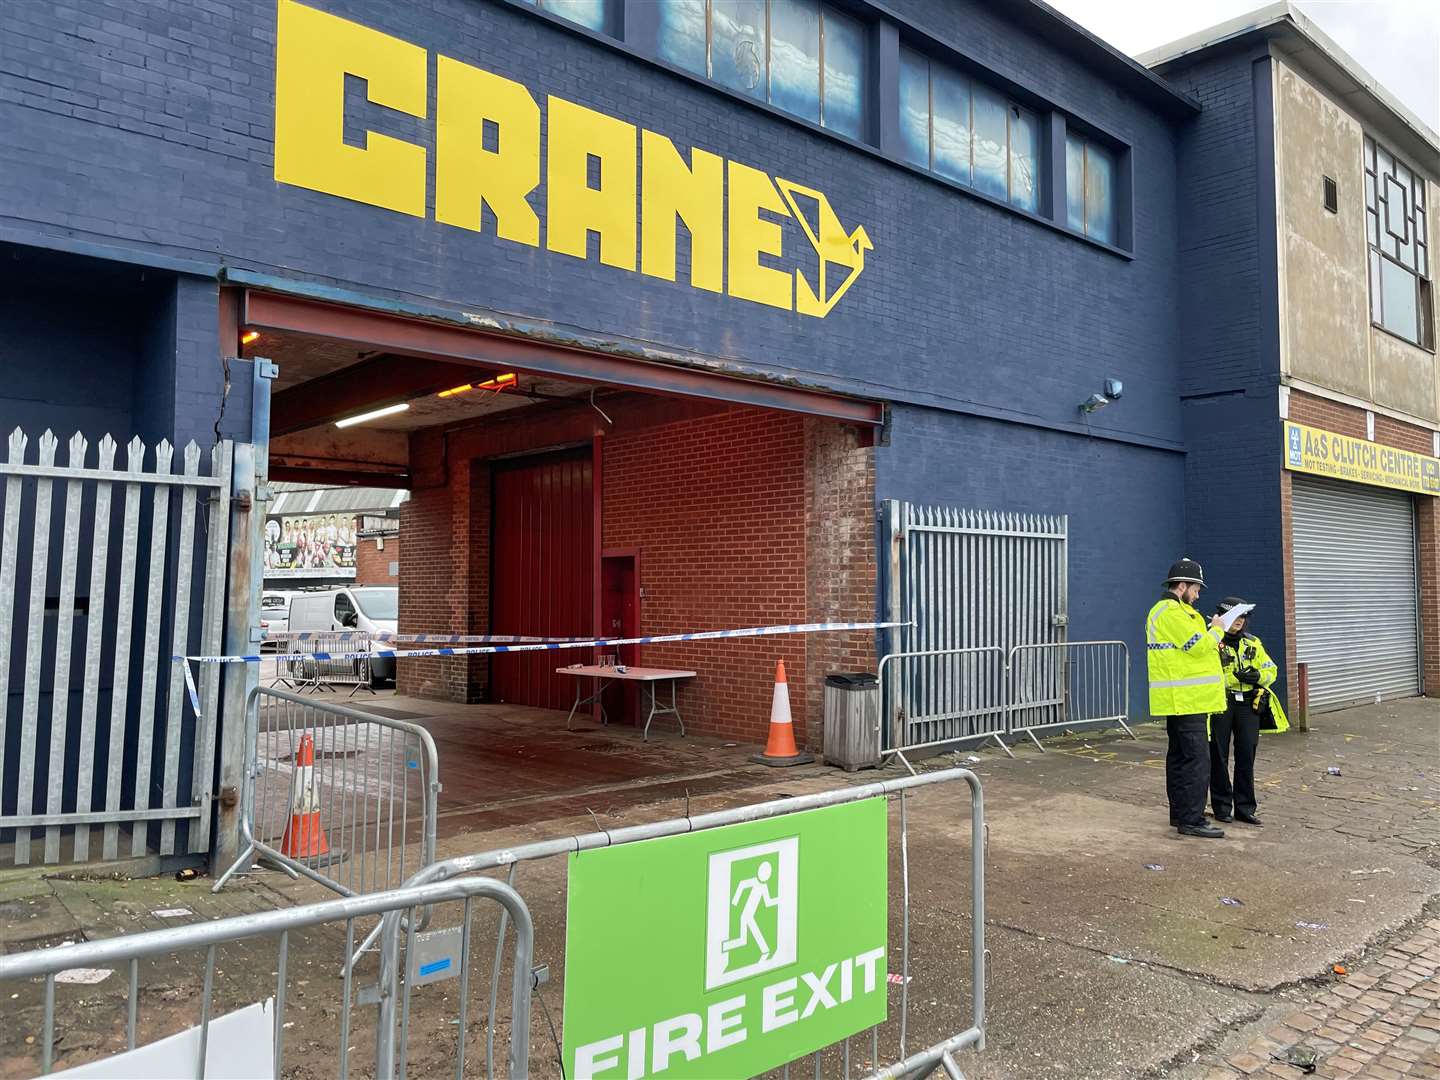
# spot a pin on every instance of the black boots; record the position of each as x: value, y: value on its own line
x: 1208, y: 831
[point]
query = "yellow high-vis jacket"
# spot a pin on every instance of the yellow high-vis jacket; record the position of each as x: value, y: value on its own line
x: 1183, y: 657
x: 1249, y: 655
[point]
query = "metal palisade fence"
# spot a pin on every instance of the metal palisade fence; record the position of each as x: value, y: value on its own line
x: 106, y: 570
x: 971, y: 585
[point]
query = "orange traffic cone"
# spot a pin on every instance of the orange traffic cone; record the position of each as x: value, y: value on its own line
x: 304, y: 838
x: 780, y: 748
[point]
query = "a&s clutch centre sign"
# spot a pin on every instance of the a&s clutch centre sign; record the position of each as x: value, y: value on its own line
x: 487, y: 150
x: 725, y: 953
x: 1344, y: 457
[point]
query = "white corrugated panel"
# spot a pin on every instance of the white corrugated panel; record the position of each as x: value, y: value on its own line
x: 1355, y: 592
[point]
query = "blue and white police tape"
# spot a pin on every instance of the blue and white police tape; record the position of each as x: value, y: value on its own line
x: 190, y: 688
x: 288, y: 636
x: 538, y: 646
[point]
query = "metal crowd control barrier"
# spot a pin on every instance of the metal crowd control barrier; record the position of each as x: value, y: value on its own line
x: 372, y: 792
x: 306, y: 666
x: 939, y: 696
x: 394, y: 993
x: 130, y: 949
x: 1068, y: 683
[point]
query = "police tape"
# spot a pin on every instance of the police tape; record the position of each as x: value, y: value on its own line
x: 539, y: 646
x: 288, y: 636
x: 522, y: 645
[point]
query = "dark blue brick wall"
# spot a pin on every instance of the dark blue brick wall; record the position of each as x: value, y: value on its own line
x: 1122, y: 502
x: 1231, y: 354
x: 150, y: 125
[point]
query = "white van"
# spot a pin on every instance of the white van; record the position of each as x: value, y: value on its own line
x: 371, y: 608
x: 274, y: 615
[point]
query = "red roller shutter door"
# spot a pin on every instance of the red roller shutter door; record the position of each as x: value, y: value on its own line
x: 542, y: 573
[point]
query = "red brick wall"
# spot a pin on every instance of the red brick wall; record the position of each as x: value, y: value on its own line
x: 1331, y: 415
x: 372, y: 562
x: 444, y: 574
x: 716, y: 508
x: 1427, y: 547
x: 1349, y: 420
x: 741, y: 517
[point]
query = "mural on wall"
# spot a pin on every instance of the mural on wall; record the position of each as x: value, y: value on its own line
x: 733, y: 248
x: 310, y: 546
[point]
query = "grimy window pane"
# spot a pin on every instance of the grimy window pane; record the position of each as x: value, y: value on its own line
x: 680, y: 34
x: 846, y: 65
x: 589, y: 13
x: 991, y: 164
x: 1402, y: 314
x: 1099, y: 194
x: 952, y: 124
x: 915, y: 108
x: 1376, y: 308
x: 737, y: 45
x: 795, y: 57
x: 1024, y: 155
x: 1075, y: 183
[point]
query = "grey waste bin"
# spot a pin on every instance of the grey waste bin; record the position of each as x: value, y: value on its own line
x: 852, y: 720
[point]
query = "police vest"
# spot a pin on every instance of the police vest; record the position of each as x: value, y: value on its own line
x: 1183, y: 657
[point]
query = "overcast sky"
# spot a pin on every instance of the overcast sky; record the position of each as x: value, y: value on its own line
x: 1397, y: 41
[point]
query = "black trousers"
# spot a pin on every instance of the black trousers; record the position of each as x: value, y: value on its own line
x: 1240, y: 724
x: 1187, y: 769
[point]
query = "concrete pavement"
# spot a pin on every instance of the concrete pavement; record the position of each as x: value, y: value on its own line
x: 1113, y: 951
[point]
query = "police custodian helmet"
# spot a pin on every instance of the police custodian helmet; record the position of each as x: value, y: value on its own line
x: 1187, y: 570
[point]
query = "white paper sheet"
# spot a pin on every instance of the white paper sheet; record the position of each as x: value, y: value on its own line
x: 1228, y: 619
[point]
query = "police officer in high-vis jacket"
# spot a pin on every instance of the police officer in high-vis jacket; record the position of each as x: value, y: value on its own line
x: 1250, y: 708
x: 1186, y: 686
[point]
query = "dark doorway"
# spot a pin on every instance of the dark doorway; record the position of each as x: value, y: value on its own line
x: 620, y: 617
x: 542, y: 570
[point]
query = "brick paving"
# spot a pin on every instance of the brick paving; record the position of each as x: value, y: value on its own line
x: 1381, y: 1022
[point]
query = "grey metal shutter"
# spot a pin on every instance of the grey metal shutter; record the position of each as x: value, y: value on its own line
x: 1355, y: 592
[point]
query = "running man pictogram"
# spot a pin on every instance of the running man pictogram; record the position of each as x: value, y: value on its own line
x: 751, y: 910
x: 756, y: 891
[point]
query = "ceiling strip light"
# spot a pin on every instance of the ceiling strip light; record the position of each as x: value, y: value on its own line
x: 373, y: 414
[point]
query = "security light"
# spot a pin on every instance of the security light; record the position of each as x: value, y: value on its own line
x: 1093, y: 402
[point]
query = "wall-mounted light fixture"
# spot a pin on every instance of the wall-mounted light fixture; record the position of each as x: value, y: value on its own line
x: 1114, y: 390
x: 249, y: 337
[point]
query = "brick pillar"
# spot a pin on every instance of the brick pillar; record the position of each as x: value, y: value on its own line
x: 441, y: 569
x: 1427, y: 537
x: 1287, y: 547
x: 839, y: 558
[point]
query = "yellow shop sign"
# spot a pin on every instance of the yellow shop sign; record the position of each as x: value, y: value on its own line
x: 1344, y: 457
x: 488, y: 136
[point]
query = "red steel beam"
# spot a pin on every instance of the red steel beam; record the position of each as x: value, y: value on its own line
x: 419, y: 337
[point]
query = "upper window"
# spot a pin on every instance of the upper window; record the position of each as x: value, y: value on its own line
x: 968, y: 132
x: 799, y: 55
x: 1400, y: 295
x: 1090, y: 188
x: 589, y: 13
